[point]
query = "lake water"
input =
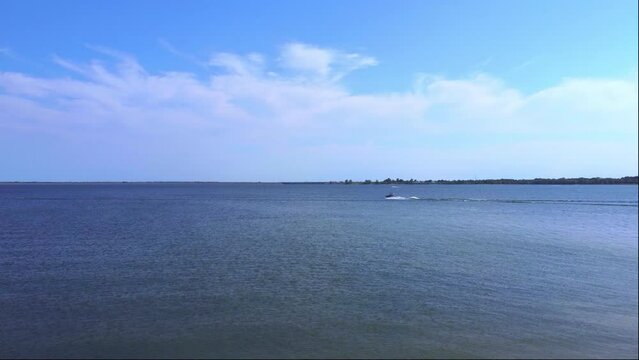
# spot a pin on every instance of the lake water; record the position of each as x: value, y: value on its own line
x: 271, y: 270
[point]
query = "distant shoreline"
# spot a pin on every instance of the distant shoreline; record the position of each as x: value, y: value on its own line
x: 626, y: 180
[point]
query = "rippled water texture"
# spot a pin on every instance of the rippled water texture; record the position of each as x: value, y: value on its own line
x: 266, y: 270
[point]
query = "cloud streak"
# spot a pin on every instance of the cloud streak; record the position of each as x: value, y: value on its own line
x: 322, y: 63
x: 296, y: 120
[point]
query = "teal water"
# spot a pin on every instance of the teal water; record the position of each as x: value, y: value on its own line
x: 270, y: 270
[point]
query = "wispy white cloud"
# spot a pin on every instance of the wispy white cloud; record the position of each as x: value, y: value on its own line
x: 166, y: 45
x: 266, y: 117
x: 8, y: 53
x: 251, y: 64
x: 482, y: 64
x: 322, y: 63
x: 523, y: 65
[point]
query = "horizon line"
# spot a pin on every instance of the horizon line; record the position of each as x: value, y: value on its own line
x: 301, y: 182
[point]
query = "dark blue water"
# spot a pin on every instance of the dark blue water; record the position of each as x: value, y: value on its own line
x: 265, y: 270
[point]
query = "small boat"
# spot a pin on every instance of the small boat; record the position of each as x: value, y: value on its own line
x: 390, y: 195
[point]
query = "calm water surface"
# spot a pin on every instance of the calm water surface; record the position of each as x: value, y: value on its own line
x: 269, y: 270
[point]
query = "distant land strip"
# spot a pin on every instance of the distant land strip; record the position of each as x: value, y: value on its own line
x: 626, y: 180
x: 537, y: 181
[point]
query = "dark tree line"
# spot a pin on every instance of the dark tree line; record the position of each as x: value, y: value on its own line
x: 536, y: 181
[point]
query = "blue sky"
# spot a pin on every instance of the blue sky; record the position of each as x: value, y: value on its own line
x: 317, y: 90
